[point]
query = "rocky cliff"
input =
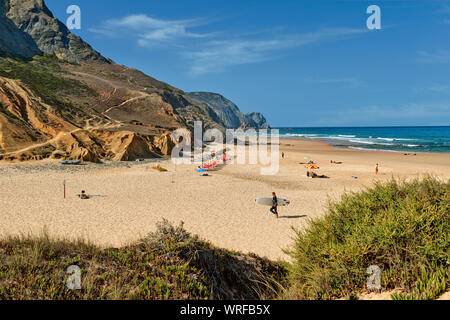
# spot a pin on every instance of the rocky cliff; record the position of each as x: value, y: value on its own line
x: 256, y: 120
x: 229, y: 113
x: 14, y: 42
x: 50, y: 35
x: 60, y: 98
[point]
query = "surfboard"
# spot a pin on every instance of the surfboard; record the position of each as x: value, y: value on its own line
x: 70, y: 162
x: 266, y: 201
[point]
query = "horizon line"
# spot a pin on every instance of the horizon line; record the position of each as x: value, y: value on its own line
x: 321, y: 127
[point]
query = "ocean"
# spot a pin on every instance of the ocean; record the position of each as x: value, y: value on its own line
x: 400, y: 139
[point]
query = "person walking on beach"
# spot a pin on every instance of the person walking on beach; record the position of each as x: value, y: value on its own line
x: 377, y: 169
x: 274, y: 208
x: 282, y: 155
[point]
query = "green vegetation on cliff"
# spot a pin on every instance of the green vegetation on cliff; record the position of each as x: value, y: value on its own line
x: 44, y: 75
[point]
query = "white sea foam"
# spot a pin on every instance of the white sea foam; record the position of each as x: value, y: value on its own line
x: 368, y: 149
x: 378, y: 141
x: 411, y: 145
x: 361, y: 141
x: 298, y: 135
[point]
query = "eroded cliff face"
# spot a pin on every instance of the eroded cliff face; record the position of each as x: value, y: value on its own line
x: 59, y: 98
x: 31, y: 129
x: 25, y: 118
x: 90, y: 108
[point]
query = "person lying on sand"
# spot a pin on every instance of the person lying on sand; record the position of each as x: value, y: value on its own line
x: 315, y: 175
x: 83, y: 195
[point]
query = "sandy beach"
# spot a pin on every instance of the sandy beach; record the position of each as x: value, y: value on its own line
x: 220, y: 208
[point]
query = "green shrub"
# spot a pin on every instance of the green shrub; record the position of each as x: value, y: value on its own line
x: 45, y: 76
x: 401, y: 227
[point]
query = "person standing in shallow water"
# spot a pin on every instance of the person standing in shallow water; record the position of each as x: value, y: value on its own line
x: 274, y: 208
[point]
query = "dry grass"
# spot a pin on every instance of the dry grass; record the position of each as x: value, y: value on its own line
x: 168, y: 264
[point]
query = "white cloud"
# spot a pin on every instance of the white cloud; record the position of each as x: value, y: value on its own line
x: 441, y: 56
x: 440, y: 88
x: 206, y: 52
x: 150, y: 31
x: 216, y: 56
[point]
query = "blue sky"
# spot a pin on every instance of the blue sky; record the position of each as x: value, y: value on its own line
x: 300, y: 63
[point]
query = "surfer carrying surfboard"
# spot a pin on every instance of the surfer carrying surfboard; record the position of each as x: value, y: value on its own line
x: 273, y: 202
x: 274, y: 208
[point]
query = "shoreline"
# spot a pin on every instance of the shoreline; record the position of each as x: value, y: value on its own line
x: 350, y: 146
